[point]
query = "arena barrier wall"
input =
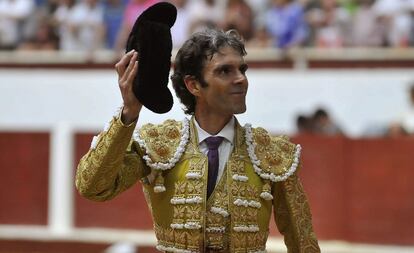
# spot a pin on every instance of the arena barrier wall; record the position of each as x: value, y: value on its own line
x: 360, y: 190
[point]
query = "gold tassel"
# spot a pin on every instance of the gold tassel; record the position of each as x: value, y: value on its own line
x: 159, y: 183
x: 266, y: 191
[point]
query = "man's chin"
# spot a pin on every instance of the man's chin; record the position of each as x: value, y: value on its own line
x: 240, y: 110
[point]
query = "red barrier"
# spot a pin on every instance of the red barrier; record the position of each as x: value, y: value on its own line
x: 128, y: 210
x: 379, y: 191
x: 359, y: 190
x: 24, y: 163
x: 324, y: 182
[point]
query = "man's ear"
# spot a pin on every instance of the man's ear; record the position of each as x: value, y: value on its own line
x: 193, y: 85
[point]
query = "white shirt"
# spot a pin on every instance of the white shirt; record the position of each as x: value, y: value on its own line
x: 87, y: 20
x: 11, y: 14
x: 200, y: 12
x: 225, y: 148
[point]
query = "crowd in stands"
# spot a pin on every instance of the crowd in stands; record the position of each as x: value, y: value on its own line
x: 104, y: 24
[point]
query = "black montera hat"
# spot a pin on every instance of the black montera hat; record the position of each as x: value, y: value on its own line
x: 151, y: 38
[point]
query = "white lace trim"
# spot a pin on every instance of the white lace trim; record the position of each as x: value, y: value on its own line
x: 118, y: 111
x: 193, y: 175
x: 256, y: 162
x: 185, y: 134
x: 246, y: 203
x: 180, y: 201
x: 173, y: 249
x: 94, y: 142
x: 240, y: 178
x: 249, y: 228
x: 219, y: 210
x: 106, y: 127
x: 216, y: 229
x: 187, y: 225
x: 159, y: 188
x: 266, y: 196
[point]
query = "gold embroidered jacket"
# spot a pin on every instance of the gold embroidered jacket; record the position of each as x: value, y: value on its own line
x: 260, y: 175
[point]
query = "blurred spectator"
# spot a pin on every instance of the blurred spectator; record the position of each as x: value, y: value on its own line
x: 45, y: 38
x: 13, y: 14
x: 375, y: 130
x: 63, y: 16
x: 367, y: 29
x: 411, y: 11
x: 351, y: 6
x: 285, y: 23
x: 304, y: 124
x: 239, y: 16
x: 261, y: 38
x: 394, y: 15
x: 112, y: 16
x: 181, y: 29
x: 42, y: 16
x: 81, y: 25
x: 396, y: 130
x: 310, y: 4
x: 330, y: 24
x: 133, y: 9
x: 205, y: 13
x: 407, y: 120
x: 259, y: 8
x: 88, y: 24
x: 323, y: 124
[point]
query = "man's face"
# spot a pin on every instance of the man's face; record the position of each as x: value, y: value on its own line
x: 227, y: 84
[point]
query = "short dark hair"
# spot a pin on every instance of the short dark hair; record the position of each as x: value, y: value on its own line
x: 192, y: 56
x: 320, y: 113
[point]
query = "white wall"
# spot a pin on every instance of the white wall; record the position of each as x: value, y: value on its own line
x: 39, y: 98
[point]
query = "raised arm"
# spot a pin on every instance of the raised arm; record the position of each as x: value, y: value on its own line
x: 127, y: 69
x: 113, y: 163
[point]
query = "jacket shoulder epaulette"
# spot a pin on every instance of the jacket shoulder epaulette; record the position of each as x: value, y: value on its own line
x: 278, y: 157
x: 160, y: 141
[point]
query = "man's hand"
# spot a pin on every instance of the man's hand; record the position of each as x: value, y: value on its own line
x: 127, y: 69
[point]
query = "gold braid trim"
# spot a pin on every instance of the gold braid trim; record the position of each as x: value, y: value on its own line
x: 293, y: 217
x: 112, y: 165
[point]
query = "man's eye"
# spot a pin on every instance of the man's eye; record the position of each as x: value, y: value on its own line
x: 225, y: 71
x: 243, y: 69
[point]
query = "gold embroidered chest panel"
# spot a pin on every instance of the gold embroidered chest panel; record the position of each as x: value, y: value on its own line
x: 236, y: 216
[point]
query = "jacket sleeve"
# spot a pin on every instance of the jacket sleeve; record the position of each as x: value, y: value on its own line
x: 293, y: 217
x: 112, y: 165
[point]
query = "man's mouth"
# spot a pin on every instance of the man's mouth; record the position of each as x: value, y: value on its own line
x: 239, y: 93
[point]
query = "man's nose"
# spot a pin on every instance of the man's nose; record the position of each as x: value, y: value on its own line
x: 240, y: 78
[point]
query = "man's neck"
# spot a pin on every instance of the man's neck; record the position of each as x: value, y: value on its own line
x: 212, y: 123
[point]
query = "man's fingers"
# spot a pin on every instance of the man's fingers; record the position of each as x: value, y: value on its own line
x: 133, y: 72
x: 130, y: 66
x: 122, y: 64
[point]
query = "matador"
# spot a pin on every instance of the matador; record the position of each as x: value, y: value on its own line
x: 211, y: 184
